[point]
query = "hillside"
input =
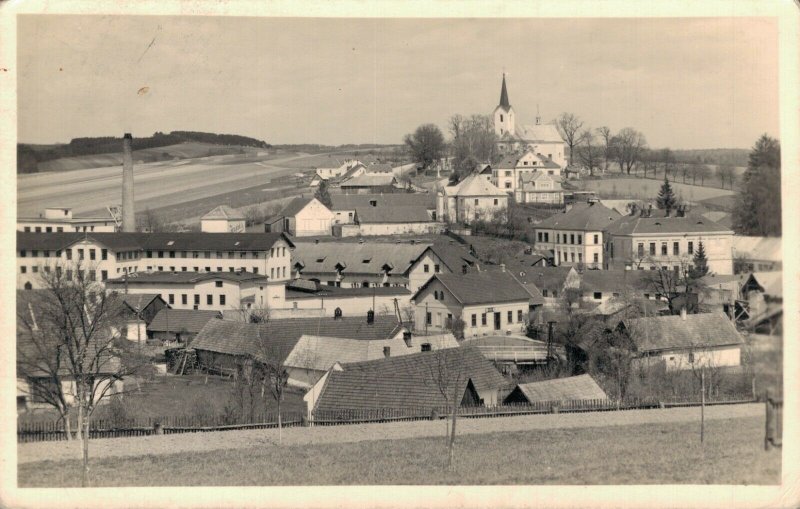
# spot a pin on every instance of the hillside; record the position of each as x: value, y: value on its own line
x: 106, y: 151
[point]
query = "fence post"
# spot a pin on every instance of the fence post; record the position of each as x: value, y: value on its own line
x: 768, y: 422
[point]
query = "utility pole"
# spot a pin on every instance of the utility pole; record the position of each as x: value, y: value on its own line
x: 702, y: 404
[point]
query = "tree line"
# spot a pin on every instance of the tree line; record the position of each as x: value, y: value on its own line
x: 29, y: 157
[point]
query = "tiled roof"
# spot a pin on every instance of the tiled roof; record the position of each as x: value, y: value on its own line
x: 676, y: 332
x: 357, y: 258
x: 296, y: 205
x: 724, y: 219
x: 184, y: 277
x: 224, y: 212
x: 281, y: 335
x: 725, y: 202
x: 176, y: 320
x: 331, y: 161
x: 406, y: 381
x: 529, y: 182
x: 138, y: 301
x: 540, y: 132
x: 482, y: 287
x: 658, y: 223
x: 367, y: 180
x: 571, y: 388
x: 320, y: 353
x: 534, y: 293
x: 395, y: 214
x: 379, y: 168
x: 474, y: 185
x: 549, y: 278
x: 582, y: 216
x: 295, y: 290
x: 616, y: 280
x: 352, y: 201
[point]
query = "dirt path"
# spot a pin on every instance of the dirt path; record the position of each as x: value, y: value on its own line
x: 184, y: 442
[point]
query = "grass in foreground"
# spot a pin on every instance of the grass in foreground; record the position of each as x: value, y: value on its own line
x: 640, y: 454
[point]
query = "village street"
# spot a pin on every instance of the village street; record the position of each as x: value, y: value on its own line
x: 228, y: 440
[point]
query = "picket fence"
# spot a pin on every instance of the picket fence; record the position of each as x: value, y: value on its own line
x: 106, y: 428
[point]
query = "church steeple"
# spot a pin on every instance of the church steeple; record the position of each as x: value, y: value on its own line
x: 504, y: 95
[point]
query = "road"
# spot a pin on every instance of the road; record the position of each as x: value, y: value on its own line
x: 156, y: 184
x: 219, y: 440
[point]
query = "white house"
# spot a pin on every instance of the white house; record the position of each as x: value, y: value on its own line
x: 472, y: 198
x: 538, y: 187
x: 304, y: 217
x: 60, y: 219
x: 508, y: 172
x: 223, y: 219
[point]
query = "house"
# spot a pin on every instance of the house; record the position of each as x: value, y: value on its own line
x: 540, y: 138
x: 216, y: 291
x: 486, y: 172
x: 571, y: 388
x: 333, y: 166
x: 576, y: 236
x: 344, y: 205
x: 508, y: 173
x: 763, y: 292
x: 223, y: 219
x: 311, y: 295
x: 60, y: 219
x: 511, y: 352
x: 370, y: 183
x: 179, y: 326
x: 539, y: 188
x: 409, y: 382
x: 140, y: 310
x: 37, y: 359
x: 305, y: 217
x: 472, y: 198
x: 108, y: 255
x: 685, y: 341
x: 395, y: 220
x: 313, y: 356
x: 653, y: 239
x: 486, y: 302
x: 222, y: 345
x: 757, y: 254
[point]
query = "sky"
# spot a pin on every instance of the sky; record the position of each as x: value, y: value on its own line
x: 684, y: 82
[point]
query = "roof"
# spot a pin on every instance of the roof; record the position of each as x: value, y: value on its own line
x: 529, y: 181
x: 321, y: 353
x: 185, y: 277
x: 406, y: 381
x: 296, y: 205
x: 138, y: 301
x: 394, y: 214
x: 352, y: 201
x: 299, y: 289
x: 726, y: 202
x: 357, y: 258
x: 582, y: 216
x: 176, y: 320
x: 616, y: 280
x: 621, y: 206
x: 540, y: 132
x: 482, y: 287
x: 281, y: 335
x: 721, y: 218
x: 224, y: 212
x: 657, y: 223
x: 185, y: 241
x: 474, y: 185
x: 380, y: 168
x: 675, y: 332
x: 614, y: 305
x: 368, y: 180
x: 571, y: 388
x: 771, y: 282
x: 758, y: 248
x: 331, y: 161
x: 550, y: 278
x: 504, y: 95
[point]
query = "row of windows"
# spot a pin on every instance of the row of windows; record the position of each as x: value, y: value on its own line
x: 676, y: 248
x: 427, y: 268
x: 23, y: 253
x: 92, y: 274
x: 477, y: 202
x: 49, y: 229
x: 280, y: 272
x: 134, y: 255
x: 595, y: 257
x: 196, y: 299
x: 509, y: 318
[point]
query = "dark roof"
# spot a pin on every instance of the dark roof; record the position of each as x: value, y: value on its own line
x: 380, y: 168
x: 616, y: 280
x: 582, y: 216
x: 676, y: 332
x: 299, y: 289
x: 550, y: 278
x: 281, y: 335
x: 482, y: 287
x: 357, y: 258
x: 571, y: 388
x: 725, y: 202
x: 504, y: 95
x: 351, y: 201
x: 369, y: 180
x: 177, y: 320
x: 184, y: 277
x: 295, y: 206
x: 659, y: 223
x: 394, y: 214
x: 138, y: 301
x: 406, y: 381
x: 185, y: 241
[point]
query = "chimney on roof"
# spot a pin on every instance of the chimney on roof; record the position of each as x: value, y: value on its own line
x: 407, y: 338
x: 683, y: 313
x: 387, y: 351
x: 370, y: 317
x: 128, y: 212
x: 634, y: 209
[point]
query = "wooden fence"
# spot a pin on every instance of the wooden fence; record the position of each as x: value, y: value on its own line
x: 773, y: 436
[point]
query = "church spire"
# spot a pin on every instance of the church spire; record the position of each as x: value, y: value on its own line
x: 504, y: 95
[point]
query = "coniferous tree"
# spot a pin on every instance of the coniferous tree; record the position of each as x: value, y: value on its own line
x: 758, y: 210
x: 666, y: 197
x: 323, y: 195
x: 700, y: 263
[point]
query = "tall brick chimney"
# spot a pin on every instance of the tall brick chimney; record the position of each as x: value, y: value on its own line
x: 128, y: 212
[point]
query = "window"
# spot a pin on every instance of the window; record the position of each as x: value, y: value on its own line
x: 426, y: 347
x: 197, y: 299
x: 92, y: 254
x: 544, y: 292
x: 272, y: 273
x: 161, y: 254
x: 80, y: 254
x: 690, y: 250
x: 496, y: 201
x: 572, y: 256
x: 508, y: 185
x: 38, y: 229
x: 149, y: 254
x: 428, y: 320
x: 508, y: 173
x: 546, y: 237
x: 23, y: 254
x: 510, y: 316
x: 483, y: 318
x: 104, y: 254
x: 598, y: 295
x: 59, y: 229
x: 652, y: 249
x: 426, y: 268
x: 255, y: 270
x: 580, y: 239
x: 209, y: 299
x: 596, y: 257
x: 184, y: 299
x: 558, y: 238
x: 27, y: 228
x: 571, y: 238
x: 519, y: 315
x: 663, y: 249
x: 92, y: 275
x: 221, y: 300
x: 539, y: 236
x: 640, y: 251
x: 597, y: 239
x: 172, y: 254
x: 436, y: 268
x: 474, y: 320
x: 23, y: 269
x: 580, y: 257
x: 171, y: 298
x: 218, y: 284
x: 476, y: 201
x: 103, y: 275
x: 676, y: 250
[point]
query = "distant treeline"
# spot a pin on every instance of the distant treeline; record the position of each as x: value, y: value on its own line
x: 718, y: 156
x: 314, y: 148
x: 29, y: 156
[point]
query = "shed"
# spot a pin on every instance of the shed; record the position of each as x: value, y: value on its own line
x: 573, y: 388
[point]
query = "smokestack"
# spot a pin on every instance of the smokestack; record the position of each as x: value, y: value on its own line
x: 128, y: 212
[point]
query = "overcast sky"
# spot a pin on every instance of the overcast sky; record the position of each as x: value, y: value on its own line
x: 685, y: 83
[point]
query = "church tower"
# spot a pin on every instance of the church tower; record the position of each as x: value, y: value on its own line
x: 504, y: 113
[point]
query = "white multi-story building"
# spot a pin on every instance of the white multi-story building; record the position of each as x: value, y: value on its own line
x: 223, y: 219
x: 508, y: 173
x: 60, y: 219
x: 538, y: 187
x: 472, y: 198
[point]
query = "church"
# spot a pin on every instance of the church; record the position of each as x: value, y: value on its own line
x: 542, y: 139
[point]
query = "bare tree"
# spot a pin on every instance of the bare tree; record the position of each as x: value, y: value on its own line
x: 569, y: 126
x: 630, y: 144
x: 447, y: 372
x: 589, y: 153
x: 703, y: 172
x: 607, y: 145
x: 271, y: 373
x: 667, y: 160
x: 726, y: 173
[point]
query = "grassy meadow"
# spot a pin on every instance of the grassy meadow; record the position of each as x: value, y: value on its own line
x: 639, y: 188
x: 668, y: 453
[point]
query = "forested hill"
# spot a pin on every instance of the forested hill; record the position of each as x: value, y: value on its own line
x: 29, y: 156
